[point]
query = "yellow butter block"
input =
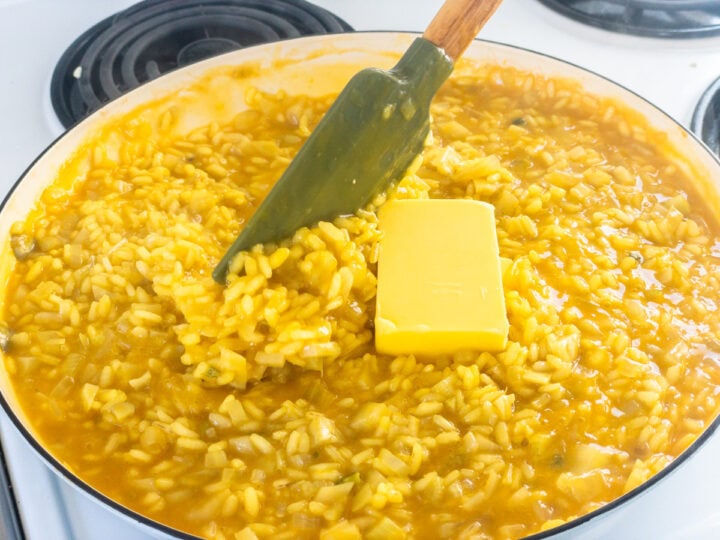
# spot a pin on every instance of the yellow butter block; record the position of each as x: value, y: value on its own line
x: 439, y: 278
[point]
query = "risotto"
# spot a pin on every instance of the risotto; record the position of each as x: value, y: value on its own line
x: 262, y: 410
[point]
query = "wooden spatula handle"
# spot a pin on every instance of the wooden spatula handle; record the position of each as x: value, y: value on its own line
x: 457, y: 23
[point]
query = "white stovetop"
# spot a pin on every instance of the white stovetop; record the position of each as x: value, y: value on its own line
x: 671, y: 73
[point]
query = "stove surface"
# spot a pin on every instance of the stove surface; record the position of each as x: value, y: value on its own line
x: 658, y: 18
x: 153, y: 37
x: 672, y: 73
x: 706, y: 118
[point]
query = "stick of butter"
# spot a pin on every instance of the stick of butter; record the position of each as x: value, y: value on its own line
x: 439, y: 279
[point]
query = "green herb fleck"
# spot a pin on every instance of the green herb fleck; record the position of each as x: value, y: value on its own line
x: 354, y: 478
x: 519, y: 121
x: 212, y: 373
x: 637, y: 256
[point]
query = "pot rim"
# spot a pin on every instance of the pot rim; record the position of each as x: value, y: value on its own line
x: 67, y: 475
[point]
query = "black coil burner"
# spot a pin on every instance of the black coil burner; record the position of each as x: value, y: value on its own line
x: 706, y: 119
x: 157, y: 36
x: 651, y: 18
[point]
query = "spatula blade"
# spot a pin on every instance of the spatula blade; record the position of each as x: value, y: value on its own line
x: 367, y: 139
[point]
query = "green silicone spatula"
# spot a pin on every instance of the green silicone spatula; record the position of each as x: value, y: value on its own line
x: 369, y: 136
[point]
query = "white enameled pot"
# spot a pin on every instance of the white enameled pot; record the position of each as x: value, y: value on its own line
x: 314, y: 66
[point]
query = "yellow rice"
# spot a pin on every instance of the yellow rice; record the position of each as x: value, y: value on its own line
x: 260, y: 409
